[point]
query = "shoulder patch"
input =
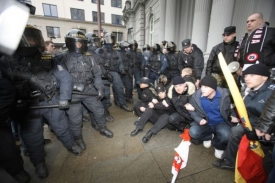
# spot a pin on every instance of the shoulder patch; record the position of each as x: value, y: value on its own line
x: 272, y: 87
x: 88, y: 53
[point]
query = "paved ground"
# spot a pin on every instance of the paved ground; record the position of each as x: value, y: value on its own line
x: 126, y: 159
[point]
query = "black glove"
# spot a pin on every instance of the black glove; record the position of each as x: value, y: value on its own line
x: 63, y: 104
x: 101, y: 94
x: 251, y: 135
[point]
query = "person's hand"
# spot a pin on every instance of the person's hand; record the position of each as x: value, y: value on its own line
x: 142, y: 109
x: 101, y: 94
x: 155, y: 101
x: 151, y: 105
x: 63, y: 104
x: 234, y: 119
x: 203, y: 122
x: 165, y: 103
x: 239, y: 72
x: 189, y: 107
x: 260, y: 134
x: 197, y: 84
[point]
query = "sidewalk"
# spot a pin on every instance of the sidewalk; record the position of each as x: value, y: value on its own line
x: 126, y: 159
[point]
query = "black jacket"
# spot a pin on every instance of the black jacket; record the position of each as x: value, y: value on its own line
x: 213, y: 65
x: 266, y: 123
x: 148, y: 94
x: 162, y: 109
x: 193, y: 60
x: 225, y: 102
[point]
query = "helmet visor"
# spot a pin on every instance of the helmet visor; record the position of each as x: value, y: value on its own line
x: 32, y: 38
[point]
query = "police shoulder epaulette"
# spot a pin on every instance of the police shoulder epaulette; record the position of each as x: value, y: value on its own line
x: 88, y: 53
x: 153, y: 90
x: 272, y: 87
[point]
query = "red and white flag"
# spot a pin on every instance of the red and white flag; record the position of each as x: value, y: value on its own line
x: 181, y: 154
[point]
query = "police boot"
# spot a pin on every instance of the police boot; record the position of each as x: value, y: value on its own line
x: 22, y: 176
x: 79, y: 141
x: 41, y: 170
x: 126, y: 108
x: 129, y: 100
x: 147, y: 137
x: 103, y: 130
x: 109, y: 118
x: 95, y: 126
x: 86, y: 117
x: 75, y: 149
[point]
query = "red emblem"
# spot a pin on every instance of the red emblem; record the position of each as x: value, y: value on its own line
x: 252, y: 57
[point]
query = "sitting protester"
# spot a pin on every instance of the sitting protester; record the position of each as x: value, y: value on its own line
x: 148, y: 93
x: 158, y: 112
x: 211, y: 116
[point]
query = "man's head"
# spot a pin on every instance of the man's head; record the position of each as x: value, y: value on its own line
x: 49, y: 46
x: 208, y: 86
x: 186, y: 72
x: 143, y: 82
x: 179, y: 84
x: 256, y: 75
x: 161, y: 91
x: 186, y: 45
x: 76, y: 41
x: 229, y: 34
x: 254, y: 21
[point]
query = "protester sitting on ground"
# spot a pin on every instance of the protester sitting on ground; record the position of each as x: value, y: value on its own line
x: 157, y: 112
x: 211, y: 116
x: 147, y: 94
x: 181, y: 118
x: 256, y: 78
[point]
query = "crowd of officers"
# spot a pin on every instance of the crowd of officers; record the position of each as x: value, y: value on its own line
x: 43, y: 87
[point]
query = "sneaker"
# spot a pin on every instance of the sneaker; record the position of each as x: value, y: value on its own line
x: 223, y: 164
x: 218, y: 153
x: 207, y: 143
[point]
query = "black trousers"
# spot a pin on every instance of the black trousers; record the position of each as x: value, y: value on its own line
x: 178, y: 121
x: 137, y: 106
x: 159, y: 121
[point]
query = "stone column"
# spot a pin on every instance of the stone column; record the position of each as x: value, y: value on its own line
x: 201, y: 23
x: 170, y: 20
x: 221, y: 17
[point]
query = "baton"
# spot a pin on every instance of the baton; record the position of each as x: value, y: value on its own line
x: 52, y: 106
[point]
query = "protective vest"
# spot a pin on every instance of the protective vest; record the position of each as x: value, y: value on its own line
x: 155, y: 62
x: 111, y: 60
x: 172, y: 59
x: 33, y: 77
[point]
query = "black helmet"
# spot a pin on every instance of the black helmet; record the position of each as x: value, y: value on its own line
x: 172, y: 46
x: 76, y: 36
x: 156, y: 47
x: 146, y: 47
x: 31, y: 41
x: 93, y: 39
x: 164, y: 44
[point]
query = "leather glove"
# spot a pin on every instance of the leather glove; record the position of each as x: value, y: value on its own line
x: 63, y: 104
x: 101, y: 94
x: 251, y: 135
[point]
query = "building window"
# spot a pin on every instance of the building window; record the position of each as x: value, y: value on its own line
x: 151, y: 30
x: 118, y: 36
x: 50, y: 10
x: 101, y: 2
x: 116, y: 3
x: 95, y: 17
x: 116, y: 19
x: 77, y: 14
x: 53, y: 32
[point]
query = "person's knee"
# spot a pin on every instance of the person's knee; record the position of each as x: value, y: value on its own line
x: 236, y: 132
x: 172, y: 119
x: 193, y: 132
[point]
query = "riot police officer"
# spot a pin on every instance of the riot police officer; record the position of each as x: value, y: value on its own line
x: 114, y: 65
x: 135, y: 64
x: 145, y: 60
x: 85, y: 72
x: 172, y: 58
x: 94, y: 47
x: 39, y: 81
x: 157, y: 63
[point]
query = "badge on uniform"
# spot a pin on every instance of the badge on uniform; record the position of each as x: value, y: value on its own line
x: 46, y: 60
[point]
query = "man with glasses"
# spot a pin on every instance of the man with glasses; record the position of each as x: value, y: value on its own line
x: 229, y: 50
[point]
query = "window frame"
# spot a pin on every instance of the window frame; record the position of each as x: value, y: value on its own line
x: 54, y: 35
x: 116, y: 16
x: 116, y: 3
x: 101, y: 2
x: 119, y: 34
x: 50, y: 5
x: 77, y: 14
x: 102, y: 13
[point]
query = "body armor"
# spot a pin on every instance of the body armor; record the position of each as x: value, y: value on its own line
x: 172, y: 58
x: 155, y: 62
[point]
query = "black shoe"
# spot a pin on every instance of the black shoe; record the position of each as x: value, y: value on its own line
x: 79, y: 141
x: 41, y: 170
x: 135, y: 132
x: 116, y: 103
x: 22, y: 177
x: 129, y: 100
x: 95, y: 126
x: 126, y: 108
x: 106, y: 132
x: 75, y: 149
x: 147, y: 137
x: 109, y: 118
x: 223, y: 164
